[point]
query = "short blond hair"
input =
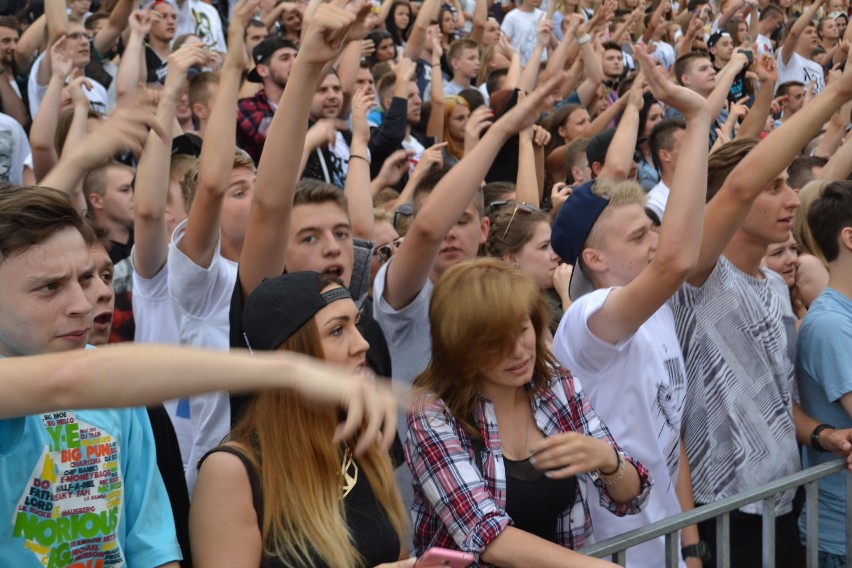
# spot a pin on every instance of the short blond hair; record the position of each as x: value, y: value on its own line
x: 189, y: 183
x: 617, y: 193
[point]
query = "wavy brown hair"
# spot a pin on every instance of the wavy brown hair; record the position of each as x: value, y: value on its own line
x: 476, y: 312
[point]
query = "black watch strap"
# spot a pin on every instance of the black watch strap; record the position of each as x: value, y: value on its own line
x: 699, y: 550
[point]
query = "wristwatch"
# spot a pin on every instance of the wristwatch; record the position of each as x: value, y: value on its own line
x: 700, y: 550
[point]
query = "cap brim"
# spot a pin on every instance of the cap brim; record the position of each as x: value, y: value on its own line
x: 253, y: 76
x: 580, y: 283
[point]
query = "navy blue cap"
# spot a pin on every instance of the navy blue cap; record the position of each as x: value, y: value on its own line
x: 571, y: 230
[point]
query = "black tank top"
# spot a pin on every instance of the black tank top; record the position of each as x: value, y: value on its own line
x: 372, y: 532
x: 534, y: 501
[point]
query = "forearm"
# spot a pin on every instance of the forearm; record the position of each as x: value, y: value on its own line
x: 840, y: 165
x: 557, y: 59
x: 683, y: 490
x: 78, y: 129
x: 619, y: 156
x: 128, y: 68
x: 86, y: 378
x: 12, y: 104
x: 56, y: 19
x: 65, y: 176
x: 755, y: 120
x: 517, y: 548
x: 724, y: 80
x: 526, y: 184
x: 347, y: 67
x: 480, y: 17
x: 604, y: 119
x: 357, y: 192
x: 530, y: 72
x: 435, y: 127
x: 29, y: 44
x: 43, y: 130
x: 116, y: 24
x: 513, y: 77
x: 417, y: 39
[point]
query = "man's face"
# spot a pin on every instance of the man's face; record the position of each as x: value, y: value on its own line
x: 795, y: 99
x: 463, y: 240
x: 101, y: 295
x: 672, y: 155
x: 44, y: 307
x: 116, y: 204
x: 163, y: 22
x: 78, y: 44
x: 255, y: 35
x: 613, y: 63
x: 8, y: 42
x: 700, y: 76
x: 414, y: 103
x: 629, y: 242
x: 467, y: 64
x: 771, y: 216
x: 365, y: 79
x: 237, y: 204
x: 279, y: 66
x: 328, y: 98
x: 723, y: 50
x: 808, y: 41
x: 321, y: 240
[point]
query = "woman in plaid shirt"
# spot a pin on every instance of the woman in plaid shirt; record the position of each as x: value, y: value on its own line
x: 503, y: 445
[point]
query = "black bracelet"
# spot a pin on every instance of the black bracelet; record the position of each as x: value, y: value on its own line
x: 617, y: 465
x: 815, y: 437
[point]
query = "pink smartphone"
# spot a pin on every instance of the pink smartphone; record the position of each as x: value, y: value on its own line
x: 444, y: 557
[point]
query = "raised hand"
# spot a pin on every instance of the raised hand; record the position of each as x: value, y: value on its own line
x: 405, y: 69
x: 326, y: 34
x: 322, y: 133
x: 140, y: 21
x: 362, y: 102
x: 544, y: 32
x: 559, y: 194
x: 61, y: 62
x: 243, y: 13
x: 530, y: 107
x: 179, y: 64
x: 766, y: 69
x: 393, y: 168
x: 431, y: 158
x: 685, y: 100
x: 479, y: 120
x: 75, y: 89
x: 126, y: 129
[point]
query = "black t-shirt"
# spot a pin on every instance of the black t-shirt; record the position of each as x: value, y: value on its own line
x: 156, y: 67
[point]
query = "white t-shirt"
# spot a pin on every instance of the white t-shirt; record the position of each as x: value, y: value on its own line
x: 35, y: 92
x: 202, y: 19
x: 637, y: 387
x: 201, y: 299
x: 664, y: 54
x: 520, y: 28
x: 657, y: 199
x: 764, y: 45
x: 802, y: 70
x: 14, y: 149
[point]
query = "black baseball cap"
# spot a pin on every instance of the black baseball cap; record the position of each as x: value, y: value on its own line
x: 281, y: 305
x: 264, y: 51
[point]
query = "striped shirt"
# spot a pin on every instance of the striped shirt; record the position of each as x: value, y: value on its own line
x: 737, y: 333
x: 458, y: 506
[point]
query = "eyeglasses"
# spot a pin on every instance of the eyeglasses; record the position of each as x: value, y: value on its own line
x: 386, y: 251
x: 522, y: 207
x: 404, y: 210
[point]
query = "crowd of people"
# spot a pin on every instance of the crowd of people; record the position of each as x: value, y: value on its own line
x: 348, y: 283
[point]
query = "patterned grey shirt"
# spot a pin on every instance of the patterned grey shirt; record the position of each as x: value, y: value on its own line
x: 737, y: 332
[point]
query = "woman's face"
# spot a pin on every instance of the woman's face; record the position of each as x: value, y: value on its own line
x: 515, y: 368
x: 783, y: 258
x: 537, y: 258
x: 448, y: 25
x: 291, y: 21
x: 401, y: 16
x: 655, y: 115
x: 385, y: 50
x: 841, y: 25
x: 491, y: 33
x: 574, y: 125
x: 341, y: 341
x: 457, y: 122
x: 828, y: 29
x: 742, y: 32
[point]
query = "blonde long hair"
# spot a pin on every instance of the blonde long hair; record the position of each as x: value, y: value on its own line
x: 289, y: 443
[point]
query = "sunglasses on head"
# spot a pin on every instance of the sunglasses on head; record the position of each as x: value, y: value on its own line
x: 404, y: 210
x: 518, y: 207
x: 386, y: 251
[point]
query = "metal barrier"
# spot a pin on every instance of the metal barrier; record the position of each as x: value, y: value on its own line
x: 617, y: 547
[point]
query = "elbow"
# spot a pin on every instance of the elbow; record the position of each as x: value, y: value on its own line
x: 144, y: 212
x: 676, y: 265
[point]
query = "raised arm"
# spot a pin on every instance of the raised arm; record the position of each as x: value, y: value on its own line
x: 57, y: 22
x: 116, y: 24
x: 408, y: 272
x: 150, y: 230
x: 628, y: 307
x: 803, y: 21
x: 724, y: 80
x: 266, y: 239
x: 529, y: 75
x: 217, y: 153
x: 31, y: 41
x: 435, y: 128
x: 429, y: 11
x: 43, y: 130
x: 556, y: 60
x: 619, y: 156
x: 755, y: 120
x: 134, y: 55
x: 757, y: 171
x: 480, y: 17
x: 357, y: 186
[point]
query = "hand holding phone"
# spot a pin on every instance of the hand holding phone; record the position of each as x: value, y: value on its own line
x: 436, y: 557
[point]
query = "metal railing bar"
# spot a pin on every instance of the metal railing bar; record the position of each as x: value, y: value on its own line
x: 768, y: 540
x: 723, y: 540
x: 611, y: 546
x: 672, y: 552
x: 812, y: 514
